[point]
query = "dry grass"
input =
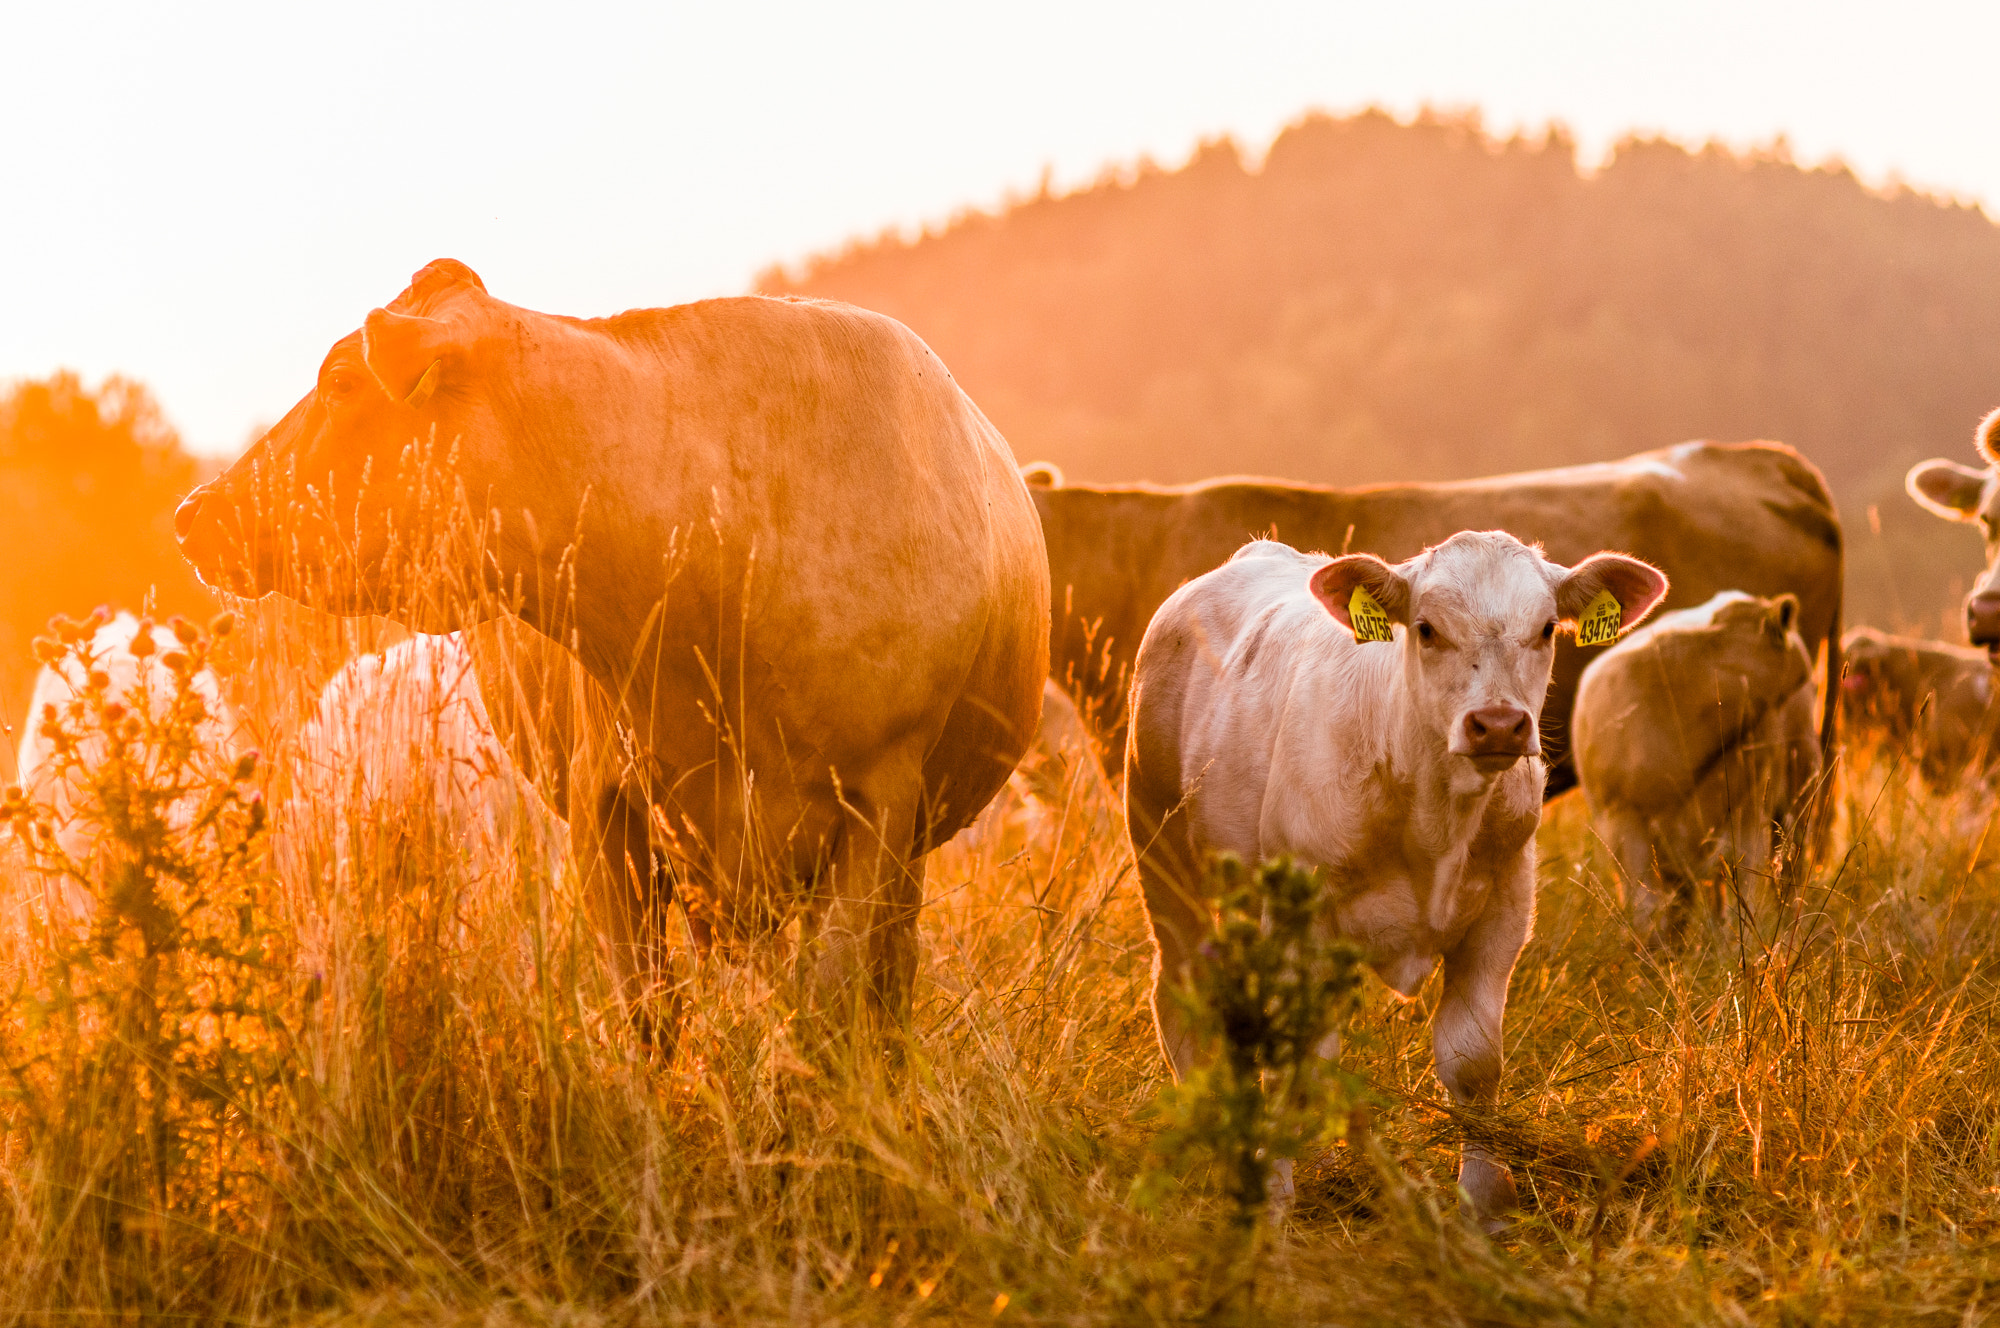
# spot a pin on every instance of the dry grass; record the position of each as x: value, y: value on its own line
x: 1795, y: 1119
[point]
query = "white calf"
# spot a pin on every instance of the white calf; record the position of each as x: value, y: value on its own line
x: 1407, y: 769
x: 405, y: 733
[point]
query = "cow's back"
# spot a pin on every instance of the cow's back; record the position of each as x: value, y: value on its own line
x: 1750, y: 516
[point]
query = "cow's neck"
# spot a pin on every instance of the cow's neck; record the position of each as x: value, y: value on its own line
x: 1448, y: 799
x: 579, y: 548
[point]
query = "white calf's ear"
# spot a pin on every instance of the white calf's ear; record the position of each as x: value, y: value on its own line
x: 1335, y: 584
x: 1634, y: 586
x: 1946, y: 488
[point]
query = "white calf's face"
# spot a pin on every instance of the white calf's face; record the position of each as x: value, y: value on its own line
x: 1480, y: 614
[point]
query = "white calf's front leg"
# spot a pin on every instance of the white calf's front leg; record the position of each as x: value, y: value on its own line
x: 1466, y: 1035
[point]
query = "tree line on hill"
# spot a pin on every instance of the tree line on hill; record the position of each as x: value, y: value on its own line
x: 1379, y: 300
x: 1373, y: 301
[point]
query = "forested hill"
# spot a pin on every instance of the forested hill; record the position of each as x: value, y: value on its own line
x: 1380, y: 301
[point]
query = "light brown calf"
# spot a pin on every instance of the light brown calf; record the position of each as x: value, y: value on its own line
x: 1926, y: 699
x: 1694, y: 742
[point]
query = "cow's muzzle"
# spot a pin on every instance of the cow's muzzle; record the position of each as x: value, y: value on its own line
x: 205, y: 542
x: 186, y: 515
x: 1497, y: 736
x: 1982, y: 620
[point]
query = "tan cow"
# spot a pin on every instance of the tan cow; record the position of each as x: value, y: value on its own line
x: 1960, y: 493
x: 1747, y: 516
x: 1924, y: 697
x: 1695, y: 746
x: 1406, y: 765
x: 794, y: 555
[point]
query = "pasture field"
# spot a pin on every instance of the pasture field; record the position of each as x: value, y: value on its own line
x: 352, y: 1083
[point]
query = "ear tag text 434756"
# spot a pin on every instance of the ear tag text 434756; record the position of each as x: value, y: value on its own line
x: 1598, y: 624
x: 1370, y: 622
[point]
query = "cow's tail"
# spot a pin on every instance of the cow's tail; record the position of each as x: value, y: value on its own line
x: 1829, y: 713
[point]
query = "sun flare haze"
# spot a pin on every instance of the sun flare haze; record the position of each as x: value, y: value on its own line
x: 1058, y: 663
x: 204, y: 197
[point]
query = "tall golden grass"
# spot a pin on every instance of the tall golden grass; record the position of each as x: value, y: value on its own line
x: 438, y: 1111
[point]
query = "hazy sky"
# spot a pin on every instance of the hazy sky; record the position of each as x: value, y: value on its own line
x: 207, y: 196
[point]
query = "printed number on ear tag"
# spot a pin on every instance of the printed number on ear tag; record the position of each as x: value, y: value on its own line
x: 1370, y: 622
x: 1599, y: 624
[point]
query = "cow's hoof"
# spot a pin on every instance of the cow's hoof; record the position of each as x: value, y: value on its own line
x: 1486, y: 1195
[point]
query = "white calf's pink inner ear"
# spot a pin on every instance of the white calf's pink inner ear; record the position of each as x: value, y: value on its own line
x: 1636, y: 586
x: 1334, y: 586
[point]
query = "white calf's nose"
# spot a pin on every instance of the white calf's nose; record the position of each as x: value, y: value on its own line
x: 1499, y: 730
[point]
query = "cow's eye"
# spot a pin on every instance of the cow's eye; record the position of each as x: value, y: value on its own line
x: 1425, y: 632
x: 1549, y: 630
x: 339, y: 385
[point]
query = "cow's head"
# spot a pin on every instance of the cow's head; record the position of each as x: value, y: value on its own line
x: 1758, y: 640
x: 1482, y: 611
x: 1960, y: 493
x: 1869, y: 665
x: 354, y: 485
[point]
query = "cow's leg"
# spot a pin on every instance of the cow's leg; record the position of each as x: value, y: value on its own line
x: 1466, y: 1035
x: 628, y: 888
x: 1176, y: 910
x: 1630, y: 837
x: 864, y: 920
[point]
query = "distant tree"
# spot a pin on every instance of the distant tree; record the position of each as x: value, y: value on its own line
x: 88, y: 485
x: 1378, y: 300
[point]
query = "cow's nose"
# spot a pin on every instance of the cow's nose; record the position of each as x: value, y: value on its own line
x: 184, y: 515
x: 1499, y: 731
x: 1982, y: 619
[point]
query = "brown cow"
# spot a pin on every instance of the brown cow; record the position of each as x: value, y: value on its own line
x: 1926, y: 695
x: 791, y: 552
x: 1746, y: 516
x: 1960, y: 493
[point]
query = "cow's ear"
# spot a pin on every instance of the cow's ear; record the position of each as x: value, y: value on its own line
x: 1637, y: 586
x: 1334, y: 586
x: 1950, y: 490
x: 405, y: 354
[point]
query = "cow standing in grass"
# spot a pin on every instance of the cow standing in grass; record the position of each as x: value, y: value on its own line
x: 1407, y: 769
x: 794, y: 556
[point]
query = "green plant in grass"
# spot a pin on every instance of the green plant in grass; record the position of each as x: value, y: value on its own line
x: 1270, y: 993
x: 145, y: 1037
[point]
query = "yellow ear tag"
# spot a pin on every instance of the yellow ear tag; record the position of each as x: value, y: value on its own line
x: 1370, y: 622
x: 1599, y: 624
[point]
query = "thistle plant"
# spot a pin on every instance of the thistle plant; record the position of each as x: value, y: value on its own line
x: 146, y: 1030
x: 1269, y: 995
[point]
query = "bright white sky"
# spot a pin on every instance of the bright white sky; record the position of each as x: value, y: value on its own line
x: 206, y: 196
